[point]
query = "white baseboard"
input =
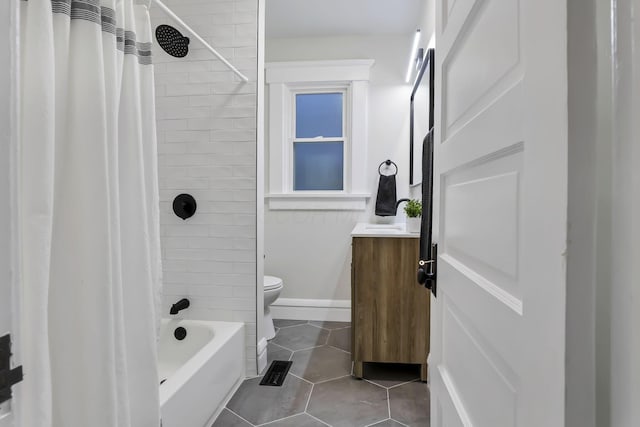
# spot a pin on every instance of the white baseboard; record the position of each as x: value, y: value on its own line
x: 262, y: 355
x: 312, y: 309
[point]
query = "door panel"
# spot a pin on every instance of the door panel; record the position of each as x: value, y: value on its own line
x: 499, y: 126
x: 497, y: 349
x: 469, y: 83
x: 449, y: 410
x: 488, y: 375
x: 488, y: 238
x: 467, y: 291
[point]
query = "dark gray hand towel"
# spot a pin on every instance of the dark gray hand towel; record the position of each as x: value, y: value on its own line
x: 386, y: 200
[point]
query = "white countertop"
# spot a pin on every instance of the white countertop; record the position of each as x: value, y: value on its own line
x: 363, y: 229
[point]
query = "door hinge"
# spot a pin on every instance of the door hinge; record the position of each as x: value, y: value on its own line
x: 428, y: 270
x: 8, y: 377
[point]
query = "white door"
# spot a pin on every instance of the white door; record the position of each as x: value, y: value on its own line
x: 8, y: 127
x: 497, y: 349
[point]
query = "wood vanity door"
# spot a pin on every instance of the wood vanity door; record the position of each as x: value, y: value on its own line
x: 390, y: 310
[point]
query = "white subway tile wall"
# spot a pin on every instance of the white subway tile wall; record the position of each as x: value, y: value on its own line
x: 207, y: 147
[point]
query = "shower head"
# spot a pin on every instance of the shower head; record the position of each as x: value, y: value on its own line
x: 172, y: 41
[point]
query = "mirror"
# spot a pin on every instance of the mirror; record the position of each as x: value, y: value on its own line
x: 421, y: 116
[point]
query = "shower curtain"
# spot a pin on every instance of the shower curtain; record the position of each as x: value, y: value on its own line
x: 89, y: 215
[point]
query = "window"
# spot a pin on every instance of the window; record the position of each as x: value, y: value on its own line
x: 317, y: 134
x: 318, y: 141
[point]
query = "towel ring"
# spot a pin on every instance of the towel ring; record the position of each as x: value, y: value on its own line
x: 388, y: 163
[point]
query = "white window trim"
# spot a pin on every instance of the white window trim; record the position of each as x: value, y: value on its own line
x: 284, y: 80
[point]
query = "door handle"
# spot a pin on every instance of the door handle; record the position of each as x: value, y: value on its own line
x: 428, y: 270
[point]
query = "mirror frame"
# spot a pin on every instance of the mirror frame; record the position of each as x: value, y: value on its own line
x: 427, y: 64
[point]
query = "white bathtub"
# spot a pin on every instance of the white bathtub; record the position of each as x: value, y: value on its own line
x: 201, y: 372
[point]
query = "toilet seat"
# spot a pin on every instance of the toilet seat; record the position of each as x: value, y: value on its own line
x: 271, y: 282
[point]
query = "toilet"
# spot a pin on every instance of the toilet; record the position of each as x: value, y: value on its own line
x: 272, y: 287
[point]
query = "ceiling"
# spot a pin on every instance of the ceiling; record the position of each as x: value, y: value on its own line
x: 322, y: 18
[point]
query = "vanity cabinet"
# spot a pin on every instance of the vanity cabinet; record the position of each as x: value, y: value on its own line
x: 389, y: 309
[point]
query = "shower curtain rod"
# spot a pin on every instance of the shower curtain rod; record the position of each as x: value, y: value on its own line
x: 180, y: 22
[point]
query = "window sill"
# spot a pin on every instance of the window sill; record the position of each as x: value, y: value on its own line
x: 318, y: 201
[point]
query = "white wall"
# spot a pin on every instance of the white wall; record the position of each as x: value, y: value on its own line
x: 311, y: 250
x: 625, y: 249
x: 603, y: 308
x: 207, y: 147
x: 582, y: 215
x: 428, y: 18
x: 604, y: 214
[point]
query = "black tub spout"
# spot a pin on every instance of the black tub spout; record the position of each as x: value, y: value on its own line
x: 180, y: 305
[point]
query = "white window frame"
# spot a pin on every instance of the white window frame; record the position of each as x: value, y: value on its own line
x: 285, y: 80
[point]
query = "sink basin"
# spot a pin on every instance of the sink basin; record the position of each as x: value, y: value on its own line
x: 381, y: 230
x: 382, y: 227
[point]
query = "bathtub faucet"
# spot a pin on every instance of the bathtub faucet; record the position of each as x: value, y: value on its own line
x: 180, y: 305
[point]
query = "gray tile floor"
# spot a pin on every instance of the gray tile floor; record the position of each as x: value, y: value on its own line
x: 319, y: 390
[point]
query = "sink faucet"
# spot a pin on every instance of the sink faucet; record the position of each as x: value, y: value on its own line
x: 400, y: 201
x: 180, y: 305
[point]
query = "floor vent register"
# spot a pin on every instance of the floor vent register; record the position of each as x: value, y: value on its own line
x: 276, y: 373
